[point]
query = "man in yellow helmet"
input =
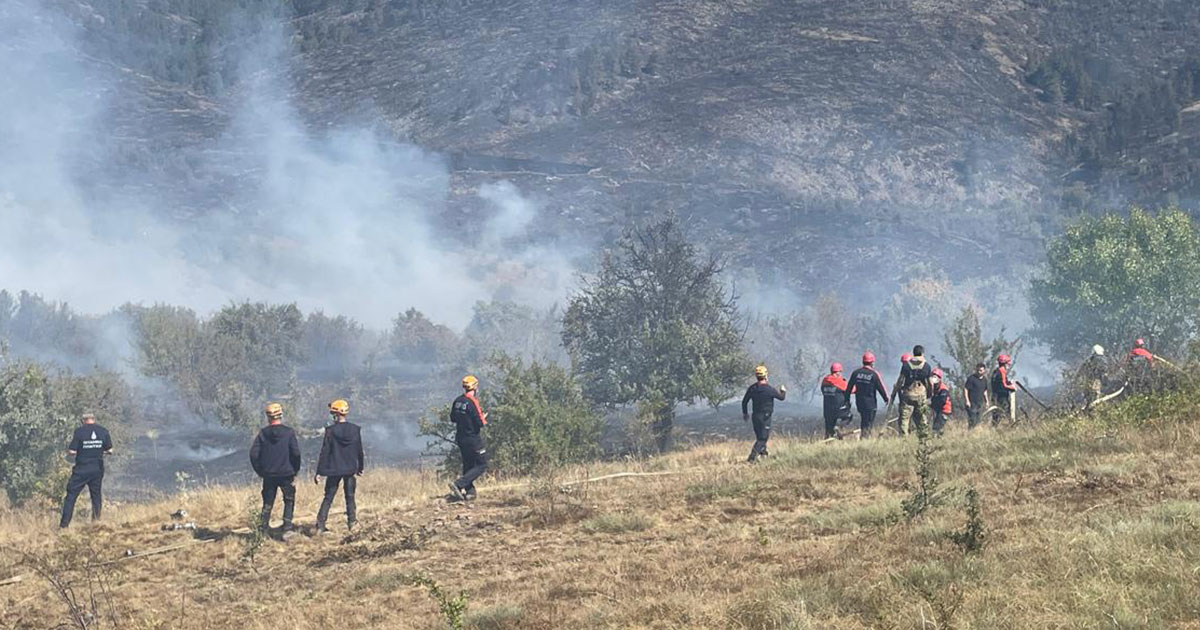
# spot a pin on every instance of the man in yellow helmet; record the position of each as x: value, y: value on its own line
x: 763, y: 395
x: 275, y: 456
x: 341, y: 460
x: 469, y: 420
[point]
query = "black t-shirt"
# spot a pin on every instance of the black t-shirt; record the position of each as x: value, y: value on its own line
x: 90, y: 442
x: 763, y: 396
x: 976, y: 387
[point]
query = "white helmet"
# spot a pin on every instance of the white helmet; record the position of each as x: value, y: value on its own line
x: 1098, y: 350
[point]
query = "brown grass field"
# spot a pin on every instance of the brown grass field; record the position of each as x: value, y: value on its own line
x: 1085, y: 528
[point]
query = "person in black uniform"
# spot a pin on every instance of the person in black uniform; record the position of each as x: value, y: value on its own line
x: 764, y: 396
x: 341, y: 460
x: 865, y: 384
x: 90, y: 443
x: 976, y: 395
x: 275, y: 456
x: 469, y: 420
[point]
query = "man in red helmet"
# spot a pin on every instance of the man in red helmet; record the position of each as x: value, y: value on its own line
x: 1003, y: 390
x: 866, y: 383
x: 833, y: 390
x: 940, y: 403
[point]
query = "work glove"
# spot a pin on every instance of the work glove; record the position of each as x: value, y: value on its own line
x: 315, y: 479
x: 745, y: 417
x: 783, y: 389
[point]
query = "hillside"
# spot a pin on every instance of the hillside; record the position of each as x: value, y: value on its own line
x: 840, y: 129
x: 1085, y: 528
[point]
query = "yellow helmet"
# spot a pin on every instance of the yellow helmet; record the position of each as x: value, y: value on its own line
x: 760, y: 371
x: 469, y: 382
x: 340, y: 407
x: 274, y: 411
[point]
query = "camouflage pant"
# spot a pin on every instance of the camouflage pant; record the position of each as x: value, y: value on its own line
x: 913, y: 411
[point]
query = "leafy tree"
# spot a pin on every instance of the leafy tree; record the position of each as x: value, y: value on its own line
x: 537, y: 418
x: 417, y: 339
x: 964, y: 343
x: 38, y: 410
x: 1110, y: 279
x: 515, y: 330
x: 333, y: 345
x: 656, y: 326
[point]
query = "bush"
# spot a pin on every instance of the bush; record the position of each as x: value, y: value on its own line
x: 537, y: 417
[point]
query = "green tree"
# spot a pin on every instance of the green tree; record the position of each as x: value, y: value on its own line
x: 964, y: 343
x: 1112, y: 278
x: 417, y: 339
x: 39, y: 408
x: 538, y: 418
x: 656, y: 327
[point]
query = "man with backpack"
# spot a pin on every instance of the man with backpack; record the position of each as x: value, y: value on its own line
x: 915, y: 391
x: 275, y: 456
x: 865, y: 384
x: 341, y: 461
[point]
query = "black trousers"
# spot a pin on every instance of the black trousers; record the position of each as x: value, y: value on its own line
x: 868, y: 422
x: 92, y: 480
x: 973, y: 416
x: 348, y: 483
x: 762, y: 433
x: 474, y: 461
x: 831, y: 422
x: 272, y: 486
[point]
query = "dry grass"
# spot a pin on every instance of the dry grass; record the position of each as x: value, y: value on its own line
x: 1085, y: 530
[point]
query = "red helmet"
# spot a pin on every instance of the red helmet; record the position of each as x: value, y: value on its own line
x: 905, y: 358
x: 836, y: 367
x: 938, y: 372
x: 868, y: 357
x: 1003, y: 359
x: 1140, y: 343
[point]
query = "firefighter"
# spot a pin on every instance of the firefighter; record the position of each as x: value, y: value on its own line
x: 1139, y: 365
x: 915, y: 392
x: 341, y: 461
x: 940, y: 401
x: 275, y: 456
x: 837, y: 402
x: 975, y: 395
x: 865, y: 384
x: 89, y: 444
x: 1093, y: 374
x: 1003, y: 390
x: 469, y: 420
x: 764, y: 395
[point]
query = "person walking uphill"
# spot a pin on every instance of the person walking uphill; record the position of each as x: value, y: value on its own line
x: 865, y: 384
x: 915, y: 391
x: 763, y: 395
x: 340, y: 461
x: 89, y: 444
x: 469, y: 420
x: 837, y: 401
x: 275, y: 456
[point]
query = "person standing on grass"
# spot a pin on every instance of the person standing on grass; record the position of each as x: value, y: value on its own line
x: 275, y: 456
x: 340, y: 462
x: 866, y: 385
x: 469, y: 419
x: 90, y: 443
x: 975, y: 395
x: 763, y: 395
x: 836, y: 399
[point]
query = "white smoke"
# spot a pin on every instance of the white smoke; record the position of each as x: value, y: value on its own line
x: 342, y: 221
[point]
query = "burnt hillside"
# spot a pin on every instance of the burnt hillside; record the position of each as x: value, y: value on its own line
x: 840, y: 129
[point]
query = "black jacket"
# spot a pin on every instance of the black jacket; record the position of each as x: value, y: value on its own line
x: 763, y: 396
x: 342, y: 451
x: 864, y: 383
x: 275, y: 452
x: 467, y: 417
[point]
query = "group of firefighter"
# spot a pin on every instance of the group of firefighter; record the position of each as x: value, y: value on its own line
x: 921, y: 391
x: 276, y: 459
